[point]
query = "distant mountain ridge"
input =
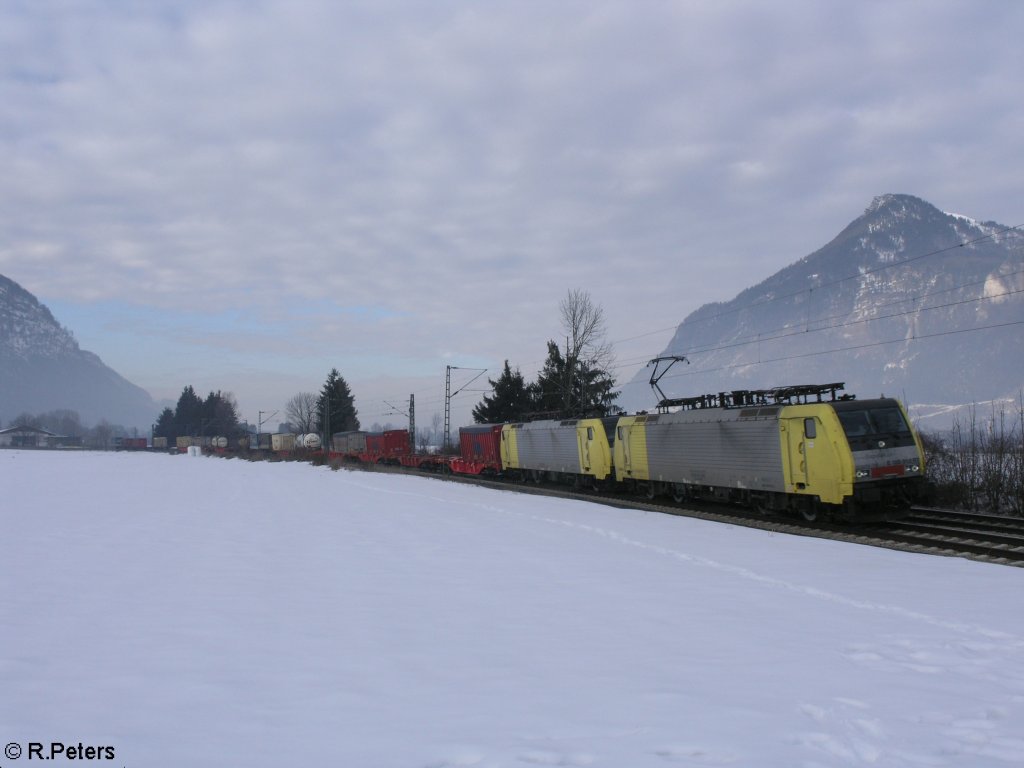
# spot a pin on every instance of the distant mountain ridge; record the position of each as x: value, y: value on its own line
x: 907, y: 300
x: 42, y: 369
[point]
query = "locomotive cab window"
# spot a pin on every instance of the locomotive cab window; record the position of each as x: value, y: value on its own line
x: 810, y: 431
x: 590, y: 433
x: 868, y: 423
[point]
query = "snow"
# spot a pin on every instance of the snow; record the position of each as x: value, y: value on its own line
x: 208, y: 612
x: 968, y: 219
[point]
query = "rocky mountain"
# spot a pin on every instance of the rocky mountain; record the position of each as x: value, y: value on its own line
x: 42, y: 369
x: 907, y: 300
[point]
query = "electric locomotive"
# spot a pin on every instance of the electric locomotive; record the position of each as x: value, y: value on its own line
x: 802, y: 449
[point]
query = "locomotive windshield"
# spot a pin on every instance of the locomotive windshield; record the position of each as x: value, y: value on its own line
x: 874, y: 425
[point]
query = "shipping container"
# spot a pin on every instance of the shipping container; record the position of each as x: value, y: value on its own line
x: 348, y: 442
x: 282, y: 442
x: 479, y: 450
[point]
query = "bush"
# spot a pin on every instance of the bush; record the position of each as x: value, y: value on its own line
x: 979, y: 465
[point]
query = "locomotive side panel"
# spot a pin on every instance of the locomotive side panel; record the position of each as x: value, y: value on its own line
x: 631, y: 449
x: 716, y: 447
x: 595, y: 451
x: 510, y: 447
x: 816, y: 456
x: 549, y: 446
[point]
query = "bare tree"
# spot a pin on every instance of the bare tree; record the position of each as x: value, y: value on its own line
x: 584, y: 325
x: 62, y: 422
x: 25, y: 419
x: 301, y: 411
x: 580, y: 381
x: 101, y: 435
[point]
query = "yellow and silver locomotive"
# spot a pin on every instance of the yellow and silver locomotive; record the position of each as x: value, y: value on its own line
x: 798, y: 449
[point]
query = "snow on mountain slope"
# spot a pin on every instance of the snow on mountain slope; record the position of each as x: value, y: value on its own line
x: 208, y: 612
x: 42, y: 368
x: 906, y: 300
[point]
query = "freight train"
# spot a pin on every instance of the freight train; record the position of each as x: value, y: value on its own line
x: 804, y: 450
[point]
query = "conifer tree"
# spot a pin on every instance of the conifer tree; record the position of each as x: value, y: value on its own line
x: 510, y: 401
x: 188, y: 414
x: 220, y: 414
x: 165, y: 426
x: 216, y: 416
x: 335, y: 408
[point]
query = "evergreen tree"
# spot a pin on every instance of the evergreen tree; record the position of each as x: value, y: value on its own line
x: 510, y: 402
x: 166, y: 426
x: 216, y: 416
x: 335, y: 407
x: 188, y: 414
x: 570, y: 387
x: 220, y: 414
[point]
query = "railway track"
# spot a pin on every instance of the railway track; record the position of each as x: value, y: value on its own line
x: 948, y: 533
x: 992, y: 538
x: 988, y: 538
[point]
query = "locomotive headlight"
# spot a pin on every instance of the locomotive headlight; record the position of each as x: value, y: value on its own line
x: 914, y: 468
x: 861, y: 474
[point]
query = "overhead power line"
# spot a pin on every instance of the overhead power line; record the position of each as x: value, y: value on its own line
x: 868, y: 345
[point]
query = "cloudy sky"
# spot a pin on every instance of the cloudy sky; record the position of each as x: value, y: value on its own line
x: 242, y: 194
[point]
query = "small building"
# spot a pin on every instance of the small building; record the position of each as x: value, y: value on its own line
x: 22, y: 436
x: 25, y: 437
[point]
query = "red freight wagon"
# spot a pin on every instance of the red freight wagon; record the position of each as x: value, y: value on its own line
x: 386, y: 447
x: 396, y: 442
x: 479, y: 449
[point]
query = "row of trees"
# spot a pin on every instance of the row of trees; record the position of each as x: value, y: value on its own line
x: 62, y: 421
x: 193, y: 416
x: 68, y: 423
x: 574, y: 382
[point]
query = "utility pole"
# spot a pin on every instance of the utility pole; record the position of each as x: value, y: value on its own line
x: 448, y: 395
x: 411, y: 415
x: 447, y: 408
x: 327, y: 419
x: 260, y: 421
x: 412, y: 422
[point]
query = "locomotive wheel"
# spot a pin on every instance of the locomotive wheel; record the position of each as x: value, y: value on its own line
x: 678, y: 494
x: 809, y: 512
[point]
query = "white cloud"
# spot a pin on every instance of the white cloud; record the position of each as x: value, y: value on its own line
x: 460, y: 166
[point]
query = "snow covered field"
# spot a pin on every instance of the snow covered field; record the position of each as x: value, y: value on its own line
x: 203, y: 612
